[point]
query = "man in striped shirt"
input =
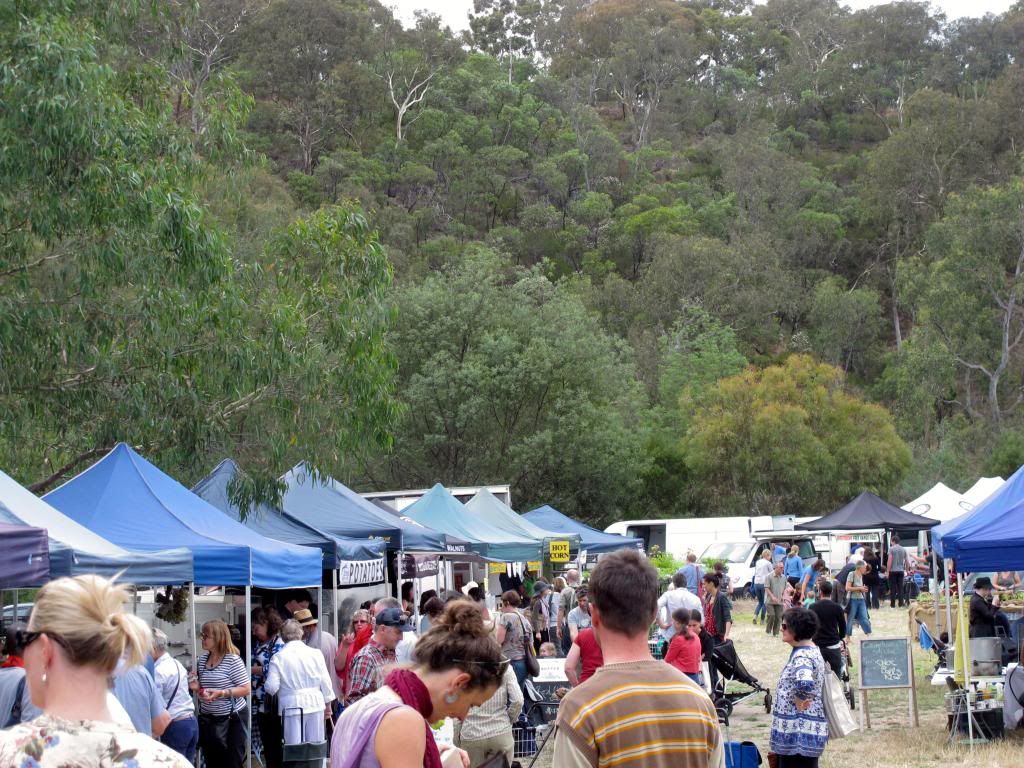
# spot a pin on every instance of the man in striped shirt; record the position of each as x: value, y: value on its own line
x: 634, y: 711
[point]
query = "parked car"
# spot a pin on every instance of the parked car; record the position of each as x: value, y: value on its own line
x: 740, y: 556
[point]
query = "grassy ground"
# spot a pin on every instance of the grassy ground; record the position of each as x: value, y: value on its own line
x: 891, y: 742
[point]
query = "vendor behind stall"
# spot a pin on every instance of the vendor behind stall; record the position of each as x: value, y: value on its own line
x: 985, y: 613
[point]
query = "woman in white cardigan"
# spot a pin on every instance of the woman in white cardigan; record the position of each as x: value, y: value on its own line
x: 298, y: 675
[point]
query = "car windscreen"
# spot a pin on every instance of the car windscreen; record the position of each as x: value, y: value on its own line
x: 728, y: 551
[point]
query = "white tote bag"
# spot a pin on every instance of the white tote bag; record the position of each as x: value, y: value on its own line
x: 837, y: 711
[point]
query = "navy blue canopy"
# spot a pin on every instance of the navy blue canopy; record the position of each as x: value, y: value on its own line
x: 129, y: 501
x: 991, y: 538
x: 591, y: 539
x: 330, y: 506
x: 274, y: 524
x: 75, y: 550
x: 24, y: 558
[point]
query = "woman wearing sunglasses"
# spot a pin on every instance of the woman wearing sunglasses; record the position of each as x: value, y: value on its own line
x: 361, y: 622
x: 459, y: 666
x: 799, y: 728
x: 77, y: 634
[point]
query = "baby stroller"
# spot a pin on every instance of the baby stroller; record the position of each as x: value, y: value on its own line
x: 729, y: 667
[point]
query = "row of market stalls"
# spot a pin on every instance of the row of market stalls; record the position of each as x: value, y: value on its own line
x: 125, y: 516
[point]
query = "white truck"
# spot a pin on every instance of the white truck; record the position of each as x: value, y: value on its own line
x: 680, y: 536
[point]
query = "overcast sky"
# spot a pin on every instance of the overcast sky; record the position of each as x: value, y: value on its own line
x: 454, y: 11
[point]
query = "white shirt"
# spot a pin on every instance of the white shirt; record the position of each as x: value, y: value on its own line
x: 298, y: 675
x: 169, y: 674
x: 404, y: 649
x: 762, y: 570
x: 672, y: 601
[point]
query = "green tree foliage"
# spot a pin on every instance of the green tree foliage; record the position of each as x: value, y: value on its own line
x: 505, y: 378
x: 234, y: 183
x: 790, y: 439
x: 124, y: 312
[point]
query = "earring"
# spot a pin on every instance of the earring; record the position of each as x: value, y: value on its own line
x: 451, y: 698
x: 44, y: 678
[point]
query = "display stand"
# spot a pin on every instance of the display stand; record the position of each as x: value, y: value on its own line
x: 886, y: 663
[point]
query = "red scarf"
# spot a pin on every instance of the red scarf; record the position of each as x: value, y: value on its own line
x: 414, y: 694
x: 13, y: 661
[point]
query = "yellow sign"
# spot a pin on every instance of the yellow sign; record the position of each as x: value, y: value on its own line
x: 534, y: 566
x: 496, y: 568
x: 559, y: 551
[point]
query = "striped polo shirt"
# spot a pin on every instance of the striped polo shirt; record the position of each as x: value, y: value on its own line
x: 644, y: 713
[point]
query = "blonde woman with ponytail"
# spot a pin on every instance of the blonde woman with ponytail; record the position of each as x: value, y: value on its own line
x: 77, y: 634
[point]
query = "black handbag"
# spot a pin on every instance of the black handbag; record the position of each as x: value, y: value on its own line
x: 532, y: 665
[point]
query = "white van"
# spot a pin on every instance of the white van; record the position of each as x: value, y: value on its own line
x: 680, y: 536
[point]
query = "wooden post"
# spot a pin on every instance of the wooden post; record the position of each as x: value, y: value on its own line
x: 913, y: 686
x: 865, y: 717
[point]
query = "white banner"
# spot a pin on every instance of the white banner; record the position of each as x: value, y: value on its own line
x: 354, y: 572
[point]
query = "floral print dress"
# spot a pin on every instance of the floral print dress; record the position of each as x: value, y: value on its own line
x: 795, y: 732
x: 262, y: 655
x: 51, y: 742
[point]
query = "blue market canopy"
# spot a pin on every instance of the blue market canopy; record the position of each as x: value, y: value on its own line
x: 331, y: 507
x: 129, y: 501
x: 591, y: 539
x: 494, y: 511
x: 75, y: 550
x: 991, y: 538
x: 24, y: 557
x: 439, y: 509
x: 271, y: 522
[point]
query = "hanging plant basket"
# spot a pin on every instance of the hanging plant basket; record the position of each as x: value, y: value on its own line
x: 172, y: 605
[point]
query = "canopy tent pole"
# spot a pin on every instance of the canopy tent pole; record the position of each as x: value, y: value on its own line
x: 192, y: 615
x: 949, y: 598
x: 965, y: 646
x: 334, y: 601
x: 248, y: 657
x: 398, y: 574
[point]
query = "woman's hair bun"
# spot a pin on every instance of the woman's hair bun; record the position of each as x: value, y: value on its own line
x: 463, y: 618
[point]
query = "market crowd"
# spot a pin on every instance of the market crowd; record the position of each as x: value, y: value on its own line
x: 84, y: 678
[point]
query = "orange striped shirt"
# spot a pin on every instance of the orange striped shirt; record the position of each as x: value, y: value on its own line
x: 644, y: 713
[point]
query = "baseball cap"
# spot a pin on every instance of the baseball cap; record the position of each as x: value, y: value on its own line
x: 393, y: 617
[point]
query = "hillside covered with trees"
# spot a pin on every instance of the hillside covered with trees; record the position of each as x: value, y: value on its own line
x: 636, y: 257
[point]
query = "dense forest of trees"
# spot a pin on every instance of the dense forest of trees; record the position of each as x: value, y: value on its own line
x: 636, y: 257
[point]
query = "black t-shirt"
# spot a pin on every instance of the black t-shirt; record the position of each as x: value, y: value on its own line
x: 832, y: 620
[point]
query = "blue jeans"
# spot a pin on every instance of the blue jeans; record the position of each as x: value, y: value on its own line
x: 696, y: 677
x: 858, y: 615
x: 182, y: 736
x: 760, y: 609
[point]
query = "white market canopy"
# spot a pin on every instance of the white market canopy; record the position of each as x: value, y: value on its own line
x: 940, y: 503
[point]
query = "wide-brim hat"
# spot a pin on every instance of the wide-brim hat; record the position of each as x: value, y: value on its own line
x: 305, y: 617
x: 539, y: 587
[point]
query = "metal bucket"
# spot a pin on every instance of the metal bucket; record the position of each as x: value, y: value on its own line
x: 986, y: 656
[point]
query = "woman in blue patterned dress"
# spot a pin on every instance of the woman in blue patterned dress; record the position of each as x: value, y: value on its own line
x: 799, y: 728
x: 266, y: 627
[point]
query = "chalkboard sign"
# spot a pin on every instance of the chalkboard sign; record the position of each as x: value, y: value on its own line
x: 886, y: 663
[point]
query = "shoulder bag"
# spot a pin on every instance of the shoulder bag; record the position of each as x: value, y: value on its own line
x: 532, y: 665
x: 837, y: 710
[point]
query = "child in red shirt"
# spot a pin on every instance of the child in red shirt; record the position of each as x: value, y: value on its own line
x: 586, y: 654
x: 684, y: 651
